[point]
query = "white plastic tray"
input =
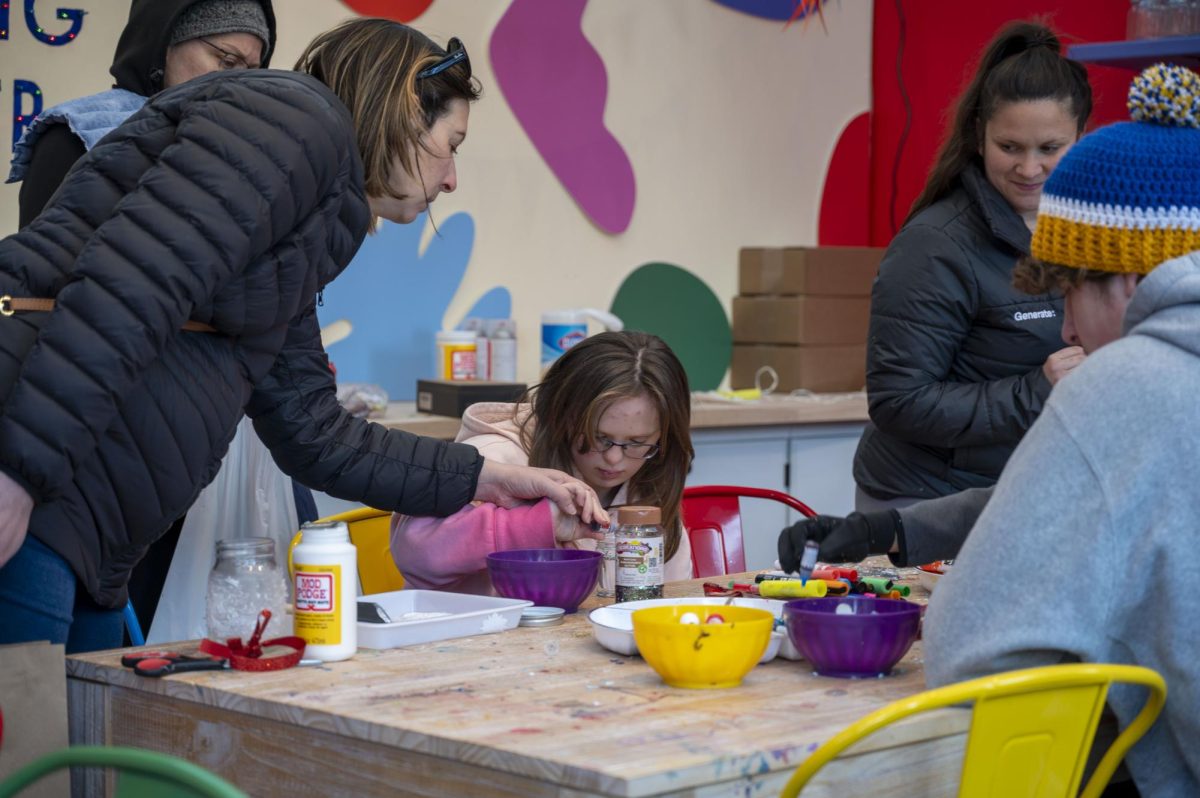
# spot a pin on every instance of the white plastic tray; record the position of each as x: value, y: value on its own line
x: 469, y: 615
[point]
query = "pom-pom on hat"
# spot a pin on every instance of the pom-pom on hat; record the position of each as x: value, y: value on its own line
x: 1126, y: 197
x: 210, y: 17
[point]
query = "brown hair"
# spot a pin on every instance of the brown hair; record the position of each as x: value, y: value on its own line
x: 1022, y: 63
x: 372, y: 66
x: 1033, y: 276
x: 584, y: 382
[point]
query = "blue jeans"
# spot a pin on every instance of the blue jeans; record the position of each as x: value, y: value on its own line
x: 41, y: 599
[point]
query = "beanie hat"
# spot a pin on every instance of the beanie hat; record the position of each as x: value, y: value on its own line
x: 209, y: 17
x: 1126, y: 197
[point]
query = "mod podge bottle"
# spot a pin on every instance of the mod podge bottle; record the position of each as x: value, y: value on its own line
x: 325, y: 564
x: 639, y: 538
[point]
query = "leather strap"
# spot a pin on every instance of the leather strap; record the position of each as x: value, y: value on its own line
x: 10, y: 305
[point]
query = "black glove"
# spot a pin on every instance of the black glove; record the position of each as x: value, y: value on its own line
x: 849, y: 539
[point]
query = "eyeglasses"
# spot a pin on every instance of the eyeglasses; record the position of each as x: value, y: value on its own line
x: 229, y: 59
x: 455, y: 54
x: 637, y: 451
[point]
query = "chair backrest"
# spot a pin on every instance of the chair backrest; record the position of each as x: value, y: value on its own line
x: 370, y: 532
x: 712, y: 516
x: 142, y: 774
x: 1031, y: 730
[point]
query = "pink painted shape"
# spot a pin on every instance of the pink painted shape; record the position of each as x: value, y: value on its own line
x: 845, y: 218
x: 556, y: 85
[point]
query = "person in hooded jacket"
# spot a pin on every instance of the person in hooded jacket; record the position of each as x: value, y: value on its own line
x: 959, y: 363
x: 170, y: 286
x: 163, y: 44
x: 1100, y: 496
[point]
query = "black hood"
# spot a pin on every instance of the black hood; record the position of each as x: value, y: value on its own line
x: 142, y: 49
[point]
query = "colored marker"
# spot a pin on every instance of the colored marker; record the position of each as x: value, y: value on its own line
x: 808, y: 560
x: 815, y: 588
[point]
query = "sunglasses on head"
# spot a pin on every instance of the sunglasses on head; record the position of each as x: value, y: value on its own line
x: 455, y: 54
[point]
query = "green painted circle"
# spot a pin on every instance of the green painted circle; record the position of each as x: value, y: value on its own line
x: 680, y: 308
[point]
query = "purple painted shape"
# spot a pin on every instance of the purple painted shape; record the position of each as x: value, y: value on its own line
x: 556, y: 85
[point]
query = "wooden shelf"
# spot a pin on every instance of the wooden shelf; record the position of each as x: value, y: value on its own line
x: 1138, y: 54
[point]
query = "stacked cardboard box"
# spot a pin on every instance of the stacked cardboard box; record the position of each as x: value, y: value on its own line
x: 803, y: 311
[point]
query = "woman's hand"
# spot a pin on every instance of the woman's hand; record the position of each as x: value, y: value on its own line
x: 508, y: 485
x: 1060, y: 363
x: 568, y: 528
x: 15, y: 507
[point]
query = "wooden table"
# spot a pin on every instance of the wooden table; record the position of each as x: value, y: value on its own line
x: 527, y: 712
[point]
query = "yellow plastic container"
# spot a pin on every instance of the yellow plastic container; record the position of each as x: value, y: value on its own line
x: 706, y: 654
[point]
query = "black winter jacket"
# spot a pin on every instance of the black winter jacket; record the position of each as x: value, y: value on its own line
x: 230, y: 200
x: 954, y: 352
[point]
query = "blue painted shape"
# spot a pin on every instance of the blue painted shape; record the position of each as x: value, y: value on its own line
x: 767, y: 9
x: 72, y: 15
x: 495, y: 304
x: 22, y: 118
x: 396, y: 296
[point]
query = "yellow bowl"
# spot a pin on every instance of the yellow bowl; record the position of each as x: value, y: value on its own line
x: 705, y: 654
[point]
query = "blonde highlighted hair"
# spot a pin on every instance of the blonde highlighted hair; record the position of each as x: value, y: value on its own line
x: 372, y: 66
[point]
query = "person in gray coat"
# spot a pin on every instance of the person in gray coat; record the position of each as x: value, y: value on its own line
x: 1098, y: 504
x: 959, y: 363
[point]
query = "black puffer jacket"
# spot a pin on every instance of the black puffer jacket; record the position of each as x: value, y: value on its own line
x: 230, y: 200
x: 955, y: 352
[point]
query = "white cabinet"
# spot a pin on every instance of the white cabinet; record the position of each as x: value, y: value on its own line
x: 811, y: 462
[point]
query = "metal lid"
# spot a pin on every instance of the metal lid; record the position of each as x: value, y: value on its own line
x: 541, y: 616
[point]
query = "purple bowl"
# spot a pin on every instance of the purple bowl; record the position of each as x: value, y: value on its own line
x: 866, y: 643
x: 547, y: 577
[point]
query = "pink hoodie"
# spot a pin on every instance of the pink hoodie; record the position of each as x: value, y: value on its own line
x: 450, y: 553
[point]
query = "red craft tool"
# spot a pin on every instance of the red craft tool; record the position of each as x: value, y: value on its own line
x: 160, y: 663
x: 827, y: 572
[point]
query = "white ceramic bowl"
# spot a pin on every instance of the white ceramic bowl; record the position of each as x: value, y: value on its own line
x: 612, y: 626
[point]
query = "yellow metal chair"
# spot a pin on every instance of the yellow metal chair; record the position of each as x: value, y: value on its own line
x: 1031, y: 730
x: 370, y: 532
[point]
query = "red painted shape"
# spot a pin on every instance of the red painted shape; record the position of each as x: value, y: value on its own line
x: 943, y: 42
x: 399, y: 10
x: 845, y: 219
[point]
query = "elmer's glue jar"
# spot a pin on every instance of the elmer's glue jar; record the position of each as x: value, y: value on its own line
x: 325, y: 563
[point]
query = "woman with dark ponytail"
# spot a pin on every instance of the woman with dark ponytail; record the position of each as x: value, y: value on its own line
x: 959, y: 362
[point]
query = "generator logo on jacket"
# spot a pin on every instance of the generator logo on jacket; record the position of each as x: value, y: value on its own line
x: 1025, y: 315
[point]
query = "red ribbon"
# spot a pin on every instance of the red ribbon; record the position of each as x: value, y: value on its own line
x: 249, y: 656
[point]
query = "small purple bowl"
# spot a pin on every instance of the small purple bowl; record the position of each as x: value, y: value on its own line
x: 547, y: 577
x: 866, y: 642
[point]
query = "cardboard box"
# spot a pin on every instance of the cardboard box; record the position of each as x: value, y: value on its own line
x: 452, y: 397
x: 823, y: 369
x: 815, y: 271
x: 800, y: 319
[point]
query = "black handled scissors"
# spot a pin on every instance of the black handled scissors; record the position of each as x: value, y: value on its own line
x: 160, y: 663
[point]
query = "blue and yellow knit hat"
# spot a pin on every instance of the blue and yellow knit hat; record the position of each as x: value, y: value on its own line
x: 1126, y: 197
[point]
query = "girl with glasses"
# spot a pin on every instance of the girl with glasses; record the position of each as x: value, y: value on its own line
x: 613, y: 411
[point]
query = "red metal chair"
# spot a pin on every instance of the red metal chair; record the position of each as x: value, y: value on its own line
x: 712, y: 516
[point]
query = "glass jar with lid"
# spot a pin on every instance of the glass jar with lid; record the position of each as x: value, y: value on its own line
x: 244, y: 581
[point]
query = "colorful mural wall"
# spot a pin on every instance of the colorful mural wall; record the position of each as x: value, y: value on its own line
x: 621, y: 155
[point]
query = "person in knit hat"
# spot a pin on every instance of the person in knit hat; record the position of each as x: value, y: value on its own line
x: 1099, y: 502
x: 217, y: 34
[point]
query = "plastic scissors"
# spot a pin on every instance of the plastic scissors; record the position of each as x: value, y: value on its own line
x: 160, y: 663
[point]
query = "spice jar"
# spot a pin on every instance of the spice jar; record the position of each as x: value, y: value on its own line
x: 244, y: 581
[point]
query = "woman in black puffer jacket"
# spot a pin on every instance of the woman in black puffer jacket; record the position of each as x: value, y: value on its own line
x: 959, y: 362
x: 185, y: 254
